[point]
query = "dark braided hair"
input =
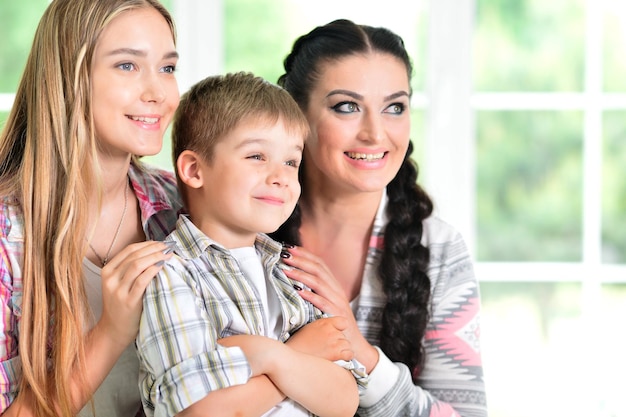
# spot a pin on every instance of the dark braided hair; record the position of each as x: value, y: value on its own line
x: 404, y: 260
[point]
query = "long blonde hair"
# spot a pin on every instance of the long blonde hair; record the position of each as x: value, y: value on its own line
x: 48, y: 162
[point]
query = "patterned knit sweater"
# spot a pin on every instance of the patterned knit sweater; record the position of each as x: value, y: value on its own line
x: 451, y: 381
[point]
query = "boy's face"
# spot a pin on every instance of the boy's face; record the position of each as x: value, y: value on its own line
x: 251, y: 185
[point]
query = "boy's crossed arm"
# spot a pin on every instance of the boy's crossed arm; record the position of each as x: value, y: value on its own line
x: 279, y: 370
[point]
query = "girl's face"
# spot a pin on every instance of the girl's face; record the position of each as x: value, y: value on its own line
x: 359, y: 117
x: 134, y: 92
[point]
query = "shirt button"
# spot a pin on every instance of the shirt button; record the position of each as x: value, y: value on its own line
x: 293, y: 320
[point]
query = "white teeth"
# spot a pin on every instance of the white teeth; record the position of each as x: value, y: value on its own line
x: 366, y: 156
x: 148, y: 120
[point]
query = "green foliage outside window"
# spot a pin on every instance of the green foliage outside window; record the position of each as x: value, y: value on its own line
x: 256, y: 37
x: 529, y: 186
x: 614, y: 25
x: 530, y: 45
x: 614, y: 188
x: 19, y: 21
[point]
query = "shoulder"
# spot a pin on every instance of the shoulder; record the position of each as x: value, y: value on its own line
x: 451, y: 263
x: 159, y: 200
x: 155, y: 185
x: 177, y: 280
x: 267, y: 245
x: 437, y: 231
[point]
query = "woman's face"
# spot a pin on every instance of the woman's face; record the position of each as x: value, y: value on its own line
x: 134, y: 91
x: 360, y: 124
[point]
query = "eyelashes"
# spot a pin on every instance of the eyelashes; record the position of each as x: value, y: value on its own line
x: 348, y: 107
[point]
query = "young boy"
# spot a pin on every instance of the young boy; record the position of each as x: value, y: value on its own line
x: 237, y: 142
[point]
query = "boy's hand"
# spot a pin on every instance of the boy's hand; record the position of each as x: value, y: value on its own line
x: 324, y: 338
x: 263, y: 354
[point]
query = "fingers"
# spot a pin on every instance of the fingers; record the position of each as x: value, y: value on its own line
x: 133, y: 268
x: 304, y: 260
x: 145, y: 253
x: 325, y: 293
x: 312, y: 272
x: 124, y: 281
x: 340, y: 323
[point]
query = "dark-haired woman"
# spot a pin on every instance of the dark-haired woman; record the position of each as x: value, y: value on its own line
x: 363, y: 236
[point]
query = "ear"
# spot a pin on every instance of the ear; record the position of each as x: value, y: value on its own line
x: 188, y: 168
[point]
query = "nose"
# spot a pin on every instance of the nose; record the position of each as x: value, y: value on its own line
x: 279, y: 174
x: 153, y: 89
x: 372, y: 128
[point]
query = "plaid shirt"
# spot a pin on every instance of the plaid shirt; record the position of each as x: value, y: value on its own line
x: 159, y: 203
x: 200, y: 296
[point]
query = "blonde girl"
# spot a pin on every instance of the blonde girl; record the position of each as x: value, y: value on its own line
x: 81, y: 219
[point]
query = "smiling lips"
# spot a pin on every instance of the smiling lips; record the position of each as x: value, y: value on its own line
x: 272, y: 200
x: 365, y: 156
x: 146, y: 120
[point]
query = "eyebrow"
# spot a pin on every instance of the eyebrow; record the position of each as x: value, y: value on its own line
x: 357, y: 96
x: 253, y: 141
x: 139, y: 53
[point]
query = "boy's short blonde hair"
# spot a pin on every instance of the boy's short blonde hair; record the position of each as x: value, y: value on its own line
x: 217, y: 105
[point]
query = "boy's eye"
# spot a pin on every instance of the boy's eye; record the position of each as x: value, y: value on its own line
x: 256, y: 156
x: 293, y: 163
x: 346, y: 107
x: 170, y: 69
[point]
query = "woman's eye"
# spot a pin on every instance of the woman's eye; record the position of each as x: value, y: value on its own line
x: 346, y: 107
x: 395, y: 108
x: 127, y: 66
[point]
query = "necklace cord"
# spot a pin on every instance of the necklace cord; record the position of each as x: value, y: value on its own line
x: 105, y: 260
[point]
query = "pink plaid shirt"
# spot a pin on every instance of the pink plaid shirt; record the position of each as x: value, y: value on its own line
x: 159, y: 203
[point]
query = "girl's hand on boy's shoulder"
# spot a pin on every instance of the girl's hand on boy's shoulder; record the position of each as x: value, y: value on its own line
x: 124, y: 281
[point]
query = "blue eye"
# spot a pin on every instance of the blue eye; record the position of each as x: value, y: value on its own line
x: 256, y: 156
x: 293, y: 163
x: 126, y: 66
x: 170, y: 69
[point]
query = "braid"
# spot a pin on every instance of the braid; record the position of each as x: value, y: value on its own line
x: 403, y: 269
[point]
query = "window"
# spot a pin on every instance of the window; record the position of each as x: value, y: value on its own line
x: 549, y: 192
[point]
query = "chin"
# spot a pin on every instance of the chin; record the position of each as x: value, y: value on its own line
x: 149, y: 151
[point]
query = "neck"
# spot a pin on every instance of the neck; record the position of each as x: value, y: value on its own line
x: 347, y: 210
x: 114, y: 176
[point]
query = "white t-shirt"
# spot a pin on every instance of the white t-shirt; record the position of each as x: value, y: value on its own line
x: 252, y: 268
x: 118, y: 395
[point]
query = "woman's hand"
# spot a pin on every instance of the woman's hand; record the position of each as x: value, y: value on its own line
x: 328, y: 295
x: 124, y: 281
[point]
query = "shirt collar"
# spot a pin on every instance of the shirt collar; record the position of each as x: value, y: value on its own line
x: 191, y: 242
